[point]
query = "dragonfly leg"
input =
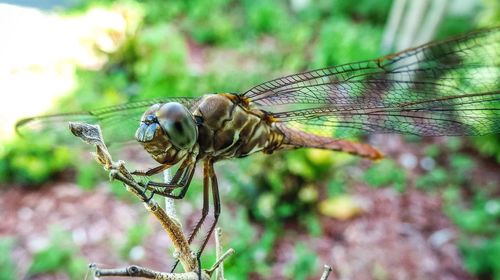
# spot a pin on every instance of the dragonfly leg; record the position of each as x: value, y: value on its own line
x: 181, y: 179
x: 150, y: 185
x: 198, y: 259
x: 148, y: 199
x: 206, y: 205
x: 151, y: 171
x: 209, y: 178
x: 156, y: 187
x: 216, y: 201
x: 205, y: 209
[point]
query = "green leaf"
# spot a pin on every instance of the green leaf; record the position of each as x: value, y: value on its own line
x: 7, y: 266
x: 386, y: 173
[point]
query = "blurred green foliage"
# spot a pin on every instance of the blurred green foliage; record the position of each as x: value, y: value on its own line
x: 473, y: 209
x: 7, y: 267
x: 285, y: 187
x: 248, y: 260
x: 32, y: 162
x: 134, y: 237
x: 61, y: 255
x: 479, y: 222
x: 488, y: 146
x: 387, y: 174
x: 272, y: 37
x: 304, y: 264
x: 86, y: 177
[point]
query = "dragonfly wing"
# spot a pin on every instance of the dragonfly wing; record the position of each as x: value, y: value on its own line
x: 118, y: 123
x: 444, y: 88
x: 471, y: 114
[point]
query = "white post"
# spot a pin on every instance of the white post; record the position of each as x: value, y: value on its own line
x: 169, y: 202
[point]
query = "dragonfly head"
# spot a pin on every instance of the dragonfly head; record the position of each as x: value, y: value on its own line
x: 167, y: 131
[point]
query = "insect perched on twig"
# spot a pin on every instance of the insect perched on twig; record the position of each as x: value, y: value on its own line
x: 445, y: 88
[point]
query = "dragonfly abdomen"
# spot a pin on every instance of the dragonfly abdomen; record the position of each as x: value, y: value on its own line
x: 300, y: 139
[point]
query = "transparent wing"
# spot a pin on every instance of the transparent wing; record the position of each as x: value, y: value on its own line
x: 444, y: 88
x: 118, y: 123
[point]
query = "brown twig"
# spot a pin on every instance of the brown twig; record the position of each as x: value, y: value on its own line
x: 91, y: 134
x: 138, y: 271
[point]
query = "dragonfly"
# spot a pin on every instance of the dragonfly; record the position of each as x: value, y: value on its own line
x: 450, y: 87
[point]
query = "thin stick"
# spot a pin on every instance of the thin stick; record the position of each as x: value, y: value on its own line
x: 219, y: 272
x: 169, y: 202
x: 187, y: 259
x: 227, y: 254
x: 138, y: 271
x: 326, y: 272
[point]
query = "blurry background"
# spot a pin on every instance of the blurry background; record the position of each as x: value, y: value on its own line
x: 430, y: 210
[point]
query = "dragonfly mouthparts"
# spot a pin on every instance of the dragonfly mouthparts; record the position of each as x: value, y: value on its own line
x: 147, y: 129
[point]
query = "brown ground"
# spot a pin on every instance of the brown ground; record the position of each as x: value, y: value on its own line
x: 402, y: 236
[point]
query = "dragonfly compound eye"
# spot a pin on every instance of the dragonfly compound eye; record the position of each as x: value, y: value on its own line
x: 179, y: 125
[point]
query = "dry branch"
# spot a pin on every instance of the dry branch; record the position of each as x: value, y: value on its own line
x: 91, y: 134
